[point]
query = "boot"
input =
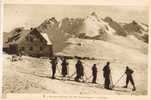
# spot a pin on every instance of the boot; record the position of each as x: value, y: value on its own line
x: 134, y: 88
x: 109, y: 88
x: 94, y: 82
x: 53, y: 77
x: 125, y: 86
x: 76, y: 79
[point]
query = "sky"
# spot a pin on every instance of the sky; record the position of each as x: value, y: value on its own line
x: 32, y: 15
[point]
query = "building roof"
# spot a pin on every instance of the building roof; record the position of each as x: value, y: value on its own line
x: 45, y: 36
x: 18, y: 39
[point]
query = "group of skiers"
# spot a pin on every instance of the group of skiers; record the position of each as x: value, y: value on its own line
x: 80, y: 73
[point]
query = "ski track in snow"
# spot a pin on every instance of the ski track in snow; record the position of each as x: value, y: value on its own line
x: 32, y: 75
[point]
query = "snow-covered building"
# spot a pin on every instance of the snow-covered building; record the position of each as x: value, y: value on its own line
x: 32, y: 43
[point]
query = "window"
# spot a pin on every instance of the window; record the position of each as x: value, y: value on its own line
x: 31, y: 48
x: 41, y: 48
x: 23, y: 48
x: 26, y: 38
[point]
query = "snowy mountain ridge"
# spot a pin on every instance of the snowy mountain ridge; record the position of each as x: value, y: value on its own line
x: 91, y: 27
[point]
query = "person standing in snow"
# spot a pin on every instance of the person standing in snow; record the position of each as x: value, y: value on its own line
x: 106, y: 74
x: 79, y: 70
x: 94, y: 73
x: 129, y: 77
x: 64, y: 67
x: 53, y: 66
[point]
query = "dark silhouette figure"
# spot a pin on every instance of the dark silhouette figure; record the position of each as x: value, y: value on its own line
x: 94, y: 73
x: 79, y: 70
x: 54, y: 64
x: 106, y: 74
x: 129, y: 77
x: 20, y: 53
x: 64, y: 67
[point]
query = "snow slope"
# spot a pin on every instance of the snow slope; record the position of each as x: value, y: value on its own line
x: 94, y: 26
x: 99, y: 49
x: 32, y: 75
x: 116, y: 26
x: 129, y: 42
x: 139, y: 30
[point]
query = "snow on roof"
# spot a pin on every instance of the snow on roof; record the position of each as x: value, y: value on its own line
x: 45, y: 36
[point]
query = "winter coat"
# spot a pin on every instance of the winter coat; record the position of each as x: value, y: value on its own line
x: 64, y: 68
x: 129, y: 72
x: 79, y: 69
x: 106, y: 71
x: 94, y: 70
x: 53, y: 63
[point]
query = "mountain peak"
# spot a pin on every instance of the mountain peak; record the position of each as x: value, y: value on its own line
x: 53, y: 19
x: 109, y: 19
x: 134, y: 22
x: 93, y: 14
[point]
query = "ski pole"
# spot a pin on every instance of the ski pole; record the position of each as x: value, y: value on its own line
x: 67, y: 70
x: 118, y: 80
x: 111, y: 81
x: 83, y: 79
x: 89, y: 77
x: 72, y: 75
x: 58, y: 69
x: 85, y: 76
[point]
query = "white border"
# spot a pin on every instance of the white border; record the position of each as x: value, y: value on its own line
x: 82, y: 2
x: 79, y: 2
x: 1, y: 43
x: 149, y: 56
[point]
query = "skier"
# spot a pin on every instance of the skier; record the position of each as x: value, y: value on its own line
x: 64, y: 67
x: 79, y: 70
x: 94, y: 73
x: 129, y: 77
x: 20, y: 53
x: 53, y: 64
x: 106, y: 75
